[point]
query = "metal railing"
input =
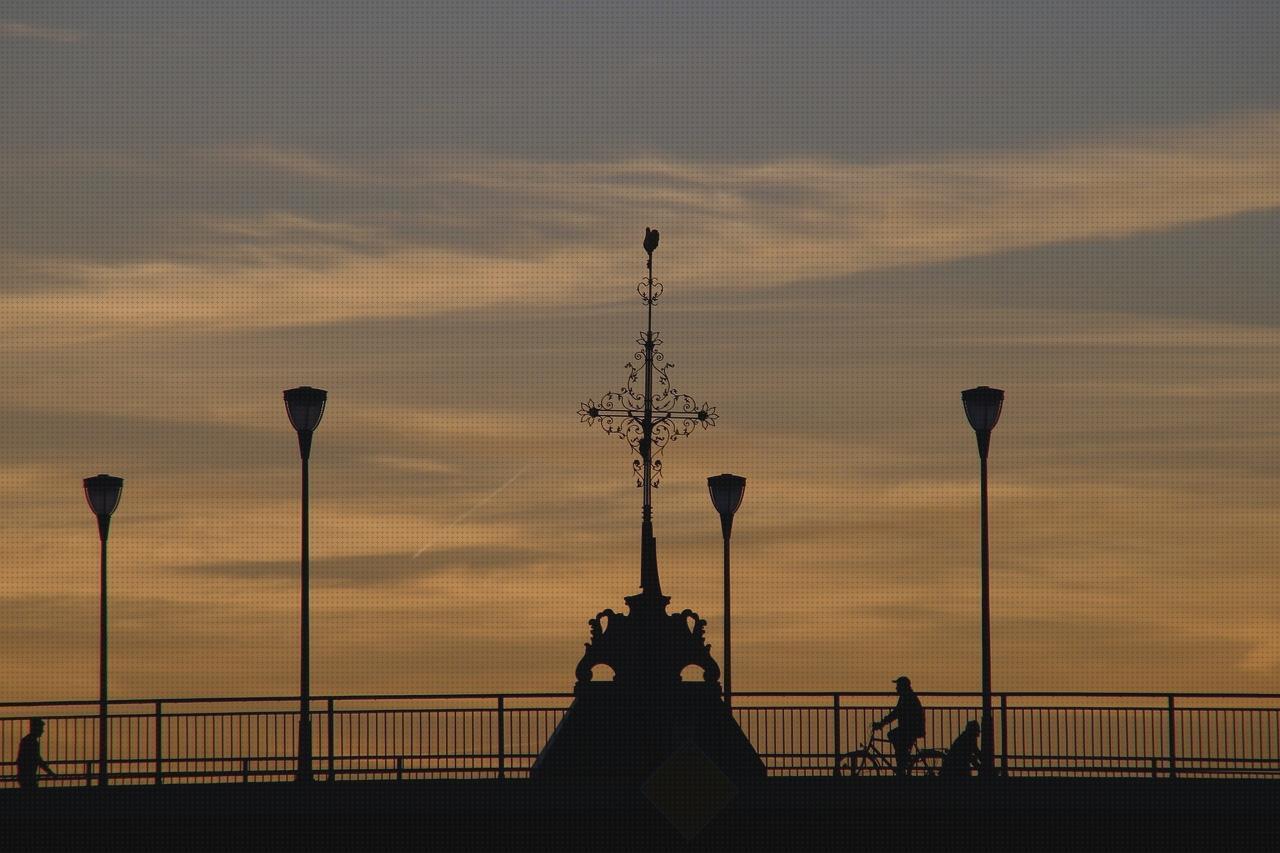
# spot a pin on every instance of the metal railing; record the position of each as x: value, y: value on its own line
x: 473, y: 736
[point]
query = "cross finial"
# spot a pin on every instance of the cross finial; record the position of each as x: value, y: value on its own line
x: 648, y: 417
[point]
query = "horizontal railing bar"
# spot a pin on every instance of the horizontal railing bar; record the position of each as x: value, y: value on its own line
x: 318, y: 712
x: 315, y: 698
x: 1012, y: 694
x: 826, y: 694
x: 938, y: 710
x: 238, y: 760
x: 1029, y: 756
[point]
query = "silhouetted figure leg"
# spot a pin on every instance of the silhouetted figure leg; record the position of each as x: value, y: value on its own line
x: 902, y: 750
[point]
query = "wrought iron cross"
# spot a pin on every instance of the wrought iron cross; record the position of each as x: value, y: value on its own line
x: 648, y: 419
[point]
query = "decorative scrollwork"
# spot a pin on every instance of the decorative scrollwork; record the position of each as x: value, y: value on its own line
x: 671, y: 414
x: 647, y: 647
x: 647, y: 412
x: 649, y: 290
x: 699, y: 625
x: 602, y: 617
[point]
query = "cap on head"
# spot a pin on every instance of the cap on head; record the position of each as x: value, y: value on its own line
x: 902, y: 679
x: 37, y: 723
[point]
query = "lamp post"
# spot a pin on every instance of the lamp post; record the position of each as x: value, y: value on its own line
x: 726, y: 496
x: 305, y: 407
x: 982, y: 407
x: 103, y: 495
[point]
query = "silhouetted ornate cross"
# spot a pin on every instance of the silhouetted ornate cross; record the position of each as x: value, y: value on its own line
x: 648, y: 418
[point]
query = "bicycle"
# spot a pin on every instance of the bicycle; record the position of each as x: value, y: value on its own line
x: 877, y: 758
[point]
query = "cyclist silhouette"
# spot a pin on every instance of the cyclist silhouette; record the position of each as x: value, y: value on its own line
x: 964, y: 754
x: 909, y: 715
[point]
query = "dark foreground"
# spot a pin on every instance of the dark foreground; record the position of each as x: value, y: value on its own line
x: 781, y: 814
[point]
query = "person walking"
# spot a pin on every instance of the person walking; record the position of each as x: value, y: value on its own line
x: 29, y: 759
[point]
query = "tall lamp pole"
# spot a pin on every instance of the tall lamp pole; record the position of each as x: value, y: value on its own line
x: 305, y: 407
x: 103, y: 495
x: 726, y: 496
x: 982, y: 407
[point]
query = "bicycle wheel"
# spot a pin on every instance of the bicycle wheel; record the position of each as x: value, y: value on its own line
x: 867, y: 763
x: 928, y: 762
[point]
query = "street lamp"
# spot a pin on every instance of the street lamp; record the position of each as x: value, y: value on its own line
x: 726, y: 496
x: 305, y: 407
x: 103, y: 495
x: 982, y: 407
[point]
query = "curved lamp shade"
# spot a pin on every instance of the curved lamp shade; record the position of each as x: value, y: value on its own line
x: 982, y: 407
x: 103, y: 494
x: 305, y: 406
x: 726, y: 493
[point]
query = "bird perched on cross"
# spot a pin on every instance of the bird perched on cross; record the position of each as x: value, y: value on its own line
x: 650, y: 240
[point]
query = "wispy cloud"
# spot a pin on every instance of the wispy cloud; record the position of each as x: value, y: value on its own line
x: 35, y: 32
x: 439, y: 232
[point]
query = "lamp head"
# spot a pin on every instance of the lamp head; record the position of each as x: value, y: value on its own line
x: 982, y: 407
x: 726, y: 492
x: 103, y: 494
x: 726, y: 496
x: 305, y: 407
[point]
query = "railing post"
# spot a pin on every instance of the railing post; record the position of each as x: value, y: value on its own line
x: 399, y: 768
x: 1004, y: 734
x: 502, y: 737
x: 88, y: 773
x: 835, y: 727
x: 159, y: 742
x: 244, y: 770
x: 329, y: 736
x: 1173, y: 741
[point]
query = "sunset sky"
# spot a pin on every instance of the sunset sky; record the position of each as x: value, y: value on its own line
x: 435, y: 211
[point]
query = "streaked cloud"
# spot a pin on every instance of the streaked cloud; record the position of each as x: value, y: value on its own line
x: 36, y: 32
x: 471, y: 230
